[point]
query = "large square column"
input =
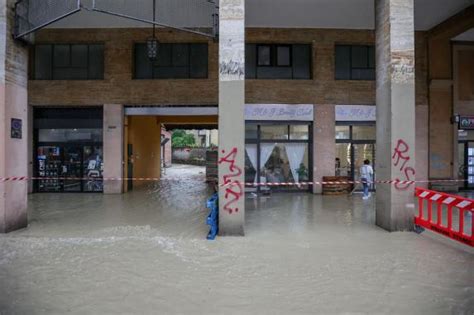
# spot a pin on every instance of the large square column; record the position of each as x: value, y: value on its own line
x: 113, y: 148
x: 13, y: 124
x: 231, y: 117
x: 395, y: 46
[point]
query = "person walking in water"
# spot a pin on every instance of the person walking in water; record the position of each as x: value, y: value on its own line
x: 366, y: 173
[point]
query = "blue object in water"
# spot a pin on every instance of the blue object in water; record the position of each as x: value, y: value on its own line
x: 213, y: 217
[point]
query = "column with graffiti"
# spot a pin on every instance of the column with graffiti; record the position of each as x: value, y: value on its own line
x: 231, y: 117
x: 395, y: 46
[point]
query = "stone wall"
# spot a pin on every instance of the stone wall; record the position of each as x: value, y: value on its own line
x: 192, y: 156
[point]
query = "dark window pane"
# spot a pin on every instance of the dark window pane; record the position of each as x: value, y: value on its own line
x: 199, y: 61
x: 62, y: 56
x: 43, y: 64
x: 274, y: 73
x: 70, y: 73
x: 302, y: 62
x: 250, y: 61
x: 264, y: 55
x: 283, y: 56
x: 180, y: 55
x: 96, y: 62
x: 143, y: 65
x: 79, y: 56
x: 164, y: 55
x: 363, y: 74
x: 171, y: 72
x: 343, y: 62
x: 371, y: 57
x: 359, y: 57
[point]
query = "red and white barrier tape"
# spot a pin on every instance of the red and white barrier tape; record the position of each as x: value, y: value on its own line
x: 400, y: 182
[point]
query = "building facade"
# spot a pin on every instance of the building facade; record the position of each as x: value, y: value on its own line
x: 311, y: 102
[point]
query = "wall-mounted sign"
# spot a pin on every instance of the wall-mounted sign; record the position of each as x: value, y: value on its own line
x: 16, y: 128
x: 296, y: 112
x: 356, y: 113
x: 466, y: 122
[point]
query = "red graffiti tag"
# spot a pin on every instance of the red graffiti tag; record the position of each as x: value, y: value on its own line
x: 233, y: 187
x: 401, y: 158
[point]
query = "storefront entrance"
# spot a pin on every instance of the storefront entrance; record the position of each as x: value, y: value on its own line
x: 279, y: 153
x: 68, y: 155
x: 466, y: 164
x: 355, y: 143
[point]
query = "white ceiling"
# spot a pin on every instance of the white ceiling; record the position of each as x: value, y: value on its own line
x: 342, y: 14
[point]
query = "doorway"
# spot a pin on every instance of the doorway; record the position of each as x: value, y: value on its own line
x: 466, y: 165
x: 355, y: 143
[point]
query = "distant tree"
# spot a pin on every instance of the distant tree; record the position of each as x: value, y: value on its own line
x: 181, y: 139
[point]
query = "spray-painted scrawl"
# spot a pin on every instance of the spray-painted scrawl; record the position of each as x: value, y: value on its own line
x: 231, y: 42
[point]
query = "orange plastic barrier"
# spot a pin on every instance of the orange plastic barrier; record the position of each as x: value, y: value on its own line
x: 443, y: 206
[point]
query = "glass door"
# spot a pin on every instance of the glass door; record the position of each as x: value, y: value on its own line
x: 361, y: 153
x: 49, y: 164
x: 92, y: 168
x: 462, y: 169
x: 72, y: 169
x: 470, y: 165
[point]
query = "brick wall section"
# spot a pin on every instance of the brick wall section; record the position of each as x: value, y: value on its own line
x: 119, y: 88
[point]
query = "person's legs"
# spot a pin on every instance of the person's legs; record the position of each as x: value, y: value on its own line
x: 366, y: 188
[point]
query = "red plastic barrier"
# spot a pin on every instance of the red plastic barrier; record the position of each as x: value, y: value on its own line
x: 466, y: 212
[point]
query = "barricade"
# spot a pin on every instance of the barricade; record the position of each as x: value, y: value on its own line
x: 213, y: 217
x: 450, y: 215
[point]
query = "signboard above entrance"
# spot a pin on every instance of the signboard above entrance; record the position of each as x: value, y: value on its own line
x: 466, y: 122
x: 355, y: 113
x: 279, y: 112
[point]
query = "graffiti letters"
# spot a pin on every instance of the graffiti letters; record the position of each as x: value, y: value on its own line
x: 401, y: 159
x: 233, y: 187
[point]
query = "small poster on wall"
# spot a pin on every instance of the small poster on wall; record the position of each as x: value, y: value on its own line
x: 16, y: 128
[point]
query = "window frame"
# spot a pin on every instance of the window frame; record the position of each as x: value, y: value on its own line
x: 351, y: 67
x: 155, y: 65
x: 53, y: 67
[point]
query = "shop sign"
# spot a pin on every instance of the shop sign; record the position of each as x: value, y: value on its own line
x: 16, y: 128
x: 356, y: 113
x: 279, y: 112
x: 466, y: 122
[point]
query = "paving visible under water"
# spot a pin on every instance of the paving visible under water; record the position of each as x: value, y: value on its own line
x: 145, y: 253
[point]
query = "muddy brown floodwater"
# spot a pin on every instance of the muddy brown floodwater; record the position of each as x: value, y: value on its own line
x: 145, y: 253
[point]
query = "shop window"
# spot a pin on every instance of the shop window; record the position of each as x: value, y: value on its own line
x: 66, y: 135
x: 251, y: 131
x: 274, y: 132
x: 363, y: 133
x: 355, y: 62
x: 343, y: 132
x: 278, y: 61
x: 299, y: 132
x: 175, y: 61
x: 69, y: 62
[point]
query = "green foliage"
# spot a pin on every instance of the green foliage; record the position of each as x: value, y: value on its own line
x: 181, y: 139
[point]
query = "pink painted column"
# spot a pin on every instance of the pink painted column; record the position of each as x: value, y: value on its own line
x: 113, y: 148
x: 13, y: 124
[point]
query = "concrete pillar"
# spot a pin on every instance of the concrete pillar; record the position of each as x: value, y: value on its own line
x: 231, y: 117
x: 395, y: 45
x: 13, y: 112
x: 113, y: 148
x: 324, y: 144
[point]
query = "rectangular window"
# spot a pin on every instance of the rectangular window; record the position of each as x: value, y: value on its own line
x: 355, y: 62
x: 278, y: 61
x: 175, y: 61
x: 69, y: 62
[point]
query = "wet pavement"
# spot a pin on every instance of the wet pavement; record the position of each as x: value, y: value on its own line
x: 145, y: 253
